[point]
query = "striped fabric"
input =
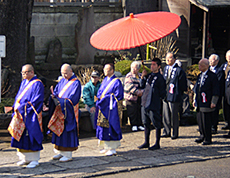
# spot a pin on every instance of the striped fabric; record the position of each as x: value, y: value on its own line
x: 132, y: 83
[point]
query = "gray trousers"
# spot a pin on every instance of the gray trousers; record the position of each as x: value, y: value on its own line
x: 92, y: 116
x: 170, y: 118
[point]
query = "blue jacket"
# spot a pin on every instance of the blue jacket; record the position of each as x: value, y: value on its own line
x: 176, y: 84
x: 89, y: 92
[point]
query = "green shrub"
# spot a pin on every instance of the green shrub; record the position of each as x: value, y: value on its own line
x: 124, y: 67
x: 6, y: 102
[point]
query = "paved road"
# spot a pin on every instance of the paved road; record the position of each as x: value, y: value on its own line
x: 88, y: 162
x: 215, y: 168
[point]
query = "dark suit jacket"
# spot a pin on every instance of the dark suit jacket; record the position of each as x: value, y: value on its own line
x: 206, y: 90
x: 227, y: 88
x: 155, y: 90
x: 176, y: 84
x: 221, y: 78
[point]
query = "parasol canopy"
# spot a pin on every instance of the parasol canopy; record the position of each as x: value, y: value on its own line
x: 135, y: 30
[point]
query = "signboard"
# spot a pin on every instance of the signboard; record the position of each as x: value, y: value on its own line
x: 2, y: 46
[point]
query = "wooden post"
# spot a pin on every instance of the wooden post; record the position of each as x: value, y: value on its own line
x: 204, y: 39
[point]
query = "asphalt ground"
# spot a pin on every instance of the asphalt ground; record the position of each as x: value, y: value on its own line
x: 88, y: 162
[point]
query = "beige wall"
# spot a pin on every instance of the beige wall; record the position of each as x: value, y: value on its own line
x: 182, y: 35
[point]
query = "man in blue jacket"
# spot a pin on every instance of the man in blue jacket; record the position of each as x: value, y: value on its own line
x: 90, y: 95
x: 176, y: 84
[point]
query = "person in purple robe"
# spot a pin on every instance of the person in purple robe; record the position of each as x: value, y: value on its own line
x: 26, y: 127
x: 64, y: 101
x: 109, y: 112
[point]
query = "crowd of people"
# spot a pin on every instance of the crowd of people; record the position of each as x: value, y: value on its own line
x: 153, y: 98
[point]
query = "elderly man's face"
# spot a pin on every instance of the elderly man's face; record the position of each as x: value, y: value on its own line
x: 134, y: 69
x: 202, y: 66
x: 212, y: 61
x: 169, y: 59
x: 66, y: 73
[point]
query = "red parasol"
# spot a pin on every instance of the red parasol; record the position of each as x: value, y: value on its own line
x: 135, y: 30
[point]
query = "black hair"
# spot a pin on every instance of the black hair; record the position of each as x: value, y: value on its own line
x: 157, y: 60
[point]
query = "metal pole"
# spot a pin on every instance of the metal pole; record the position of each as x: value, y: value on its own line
x: 147, y: 52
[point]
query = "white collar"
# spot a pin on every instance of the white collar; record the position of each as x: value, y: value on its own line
x: 203, y: 73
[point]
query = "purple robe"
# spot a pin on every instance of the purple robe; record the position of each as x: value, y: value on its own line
x: 32, y: 136
x: 114, y: 130
x: 69, y: 137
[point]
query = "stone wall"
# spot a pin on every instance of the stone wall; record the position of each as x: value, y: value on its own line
x: 49, y: 23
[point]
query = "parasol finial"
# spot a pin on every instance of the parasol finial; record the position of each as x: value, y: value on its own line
x: 131, y: 15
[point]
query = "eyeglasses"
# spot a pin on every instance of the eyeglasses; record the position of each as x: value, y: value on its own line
x: 25, y: 72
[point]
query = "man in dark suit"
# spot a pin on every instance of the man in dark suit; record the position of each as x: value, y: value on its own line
x: 227, y: 97
x: 213, y: 63
x: 226, y: 106
x: 206, y: 96
x: 176, y: 84
x: 154, y: 92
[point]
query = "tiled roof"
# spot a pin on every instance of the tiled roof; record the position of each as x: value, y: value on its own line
x: 213, y: 3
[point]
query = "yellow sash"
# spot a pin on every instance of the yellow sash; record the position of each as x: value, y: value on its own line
x: 66, y: 87
x: 76, y: 107
x: 106, y: 89
x: 17, y: 125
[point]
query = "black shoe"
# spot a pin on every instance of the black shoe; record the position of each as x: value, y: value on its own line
x: 145, y: 145
x: 206, y: 143
x: 154, y: 147
x: 165, y: 135
x: 174, y: 137
x: 214, y: 131
x: 225, y: 127
x: 199, y: 140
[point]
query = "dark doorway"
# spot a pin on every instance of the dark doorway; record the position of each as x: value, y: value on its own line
x: 220, y: 31
x: 196, y: 33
